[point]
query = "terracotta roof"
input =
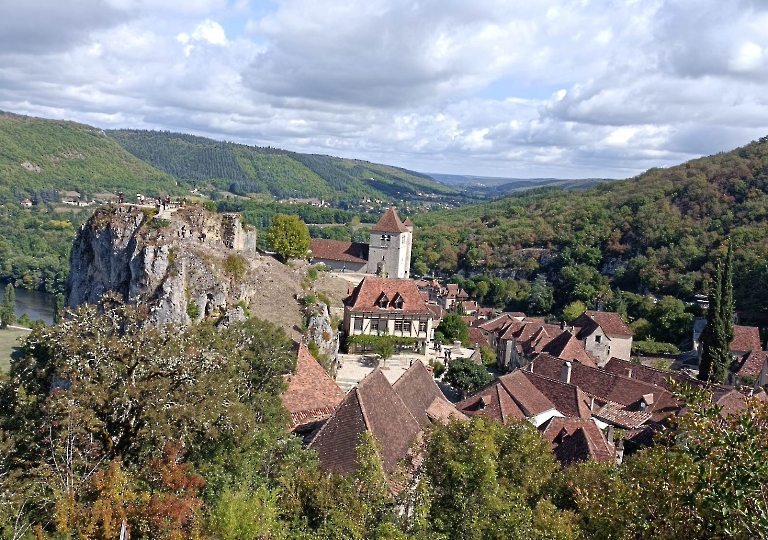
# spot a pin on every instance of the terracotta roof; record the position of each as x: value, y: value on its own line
x: 389, y: 223
x: 334, y: 250
x: 477, y: 336
x: 418, y: 390
x: 453, y: 291
x: 567, y: 347
x: 312, y: 394
x: 494, y: 402
x: 437, y: 311
x: 745, y: 338
x: 367, y: 294
x: 642, y: 436
x: 751, y: 364
x: 408, y: 222
x: 611, y: 323
x: 648, y: 374
x: 529, y: 398
x: 568, y: 399
x: 499, y: 322
x: 608, y: 386
x: 622, y: 416
x: 372, y: 405
x: 442, y: 410
x: 730, y: 400
x: 577, y: 439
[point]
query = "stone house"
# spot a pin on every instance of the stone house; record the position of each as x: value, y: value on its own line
x: 393, y: 307
x: 604, y: 334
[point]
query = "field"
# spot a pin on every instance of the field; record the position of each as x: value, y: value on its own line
x: 9, y: 345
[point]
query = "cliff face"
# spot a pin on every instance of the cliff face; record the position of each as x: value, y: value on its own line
x: 187, y: 264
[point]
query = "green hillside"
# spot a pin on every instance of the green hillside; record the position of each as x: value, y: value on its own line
x: 660, y: 231
x: 39, y: 157
x: 245, y: 170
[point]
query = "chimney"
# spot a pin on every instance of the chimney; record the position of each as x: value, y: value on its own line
x: 592, y: 403
x: 565, y: 374
x: 629, y: 373
x: 610, y: 435
x: 619, y: 452
x: 531, y: 366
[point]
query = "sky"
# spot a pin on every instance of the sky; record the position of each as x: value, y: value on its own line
x: 560, y: 88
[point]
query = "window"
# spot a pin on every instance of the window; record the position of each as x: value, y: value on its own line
x: 407, y: 326
x: 423, y: 326
x: 374, y: 326
x: 358, y: 323
x: 598, y: 339
x: 398, y: 326
x: 398, y: 302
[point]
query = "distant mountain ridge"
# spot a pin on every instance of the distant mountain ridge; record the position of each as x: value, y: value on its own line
x: 245, y: 170
x: 494, y: 186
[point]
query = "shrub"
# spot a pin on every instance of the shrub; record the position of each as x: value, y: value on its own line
x: 235, y: 266
x: 193, y: 311
x: 653, y: 347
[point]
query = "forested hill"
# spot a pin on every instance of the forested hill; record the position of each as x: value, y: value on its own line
x: 660, y: 231
x: 39, y: 158
x: 246, y: 170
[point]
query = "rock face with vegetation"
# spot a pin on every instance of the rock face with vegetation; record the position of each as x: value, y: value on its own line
x: 187, y: 265
x: 320, y: 331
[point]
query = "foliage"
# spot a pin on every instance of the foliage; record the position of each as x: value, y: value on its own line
x: 718, y: 333
x: 193, y: 311
x: 465, y: 376
x: 384, y: 349
x: 574, y: 310
x: 541, y: 299
x: 488, y: 355
x: 650, y: 348
x: 236, y: 266
x: 438, y: 368
x: 288, y: 236
x: 365, y: 340
x: 8, y: 308
x: 453, y: 328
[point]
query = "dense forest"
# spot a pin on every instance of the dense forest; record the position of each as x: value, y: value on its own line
x: 107, y: 422
x: 247, y: 170
x: 659, y: 232
x: 40, y: 158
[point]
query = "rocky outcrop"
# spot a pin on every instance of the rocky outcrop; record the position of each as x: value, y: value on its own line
x: 320, y: 331
x: 185, y: 265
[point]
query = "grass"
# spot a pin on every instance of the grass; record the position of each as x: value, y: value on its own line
x: 10, y: 346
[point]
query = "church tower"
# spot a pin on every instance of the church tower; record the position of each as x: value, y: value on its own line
x: 389, y: 249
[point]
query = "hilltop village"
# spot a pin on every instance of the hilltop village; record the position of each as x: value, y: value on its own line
x: 186, y: 341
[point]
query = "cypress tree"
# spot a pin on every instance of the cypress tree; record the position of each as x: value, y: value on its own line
x: 8, y: 311
x: 718, y: 334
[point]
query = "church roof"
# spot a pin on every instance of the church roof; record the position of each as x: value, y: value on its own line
x: 335, y: 250
x: 390, y: 223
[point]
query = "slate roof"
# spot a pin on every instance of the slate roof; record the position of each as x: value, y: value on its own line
x: 365, y: 296
x: 751, y: 364
x: 745, y: 338
x: 335, y: 250
x: 390, y: 223
x: 373, y: 405
x: 576, y: 439
x: 611, y: 323
x: 312, y: 394
x: 418, y: 390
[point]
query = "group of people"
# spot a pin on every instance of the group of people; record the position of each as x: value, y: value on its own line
x: 438, y: 347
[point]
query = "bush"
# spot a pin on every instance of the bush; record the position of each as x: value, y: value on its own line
x: 653, y: 347
x: 438, y: 368
x: 193, y: 311
x: 466, y: 376
x: 235, y: 266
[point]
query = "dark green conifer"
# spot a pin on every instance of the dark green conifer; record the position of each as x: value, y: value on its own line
x: 718, y: 334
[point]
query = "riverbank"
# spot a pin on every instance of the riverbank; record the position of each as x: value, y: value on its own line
x: 10, y: 344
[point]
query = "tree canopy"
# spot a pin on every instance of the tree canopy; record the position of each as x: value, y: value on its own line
x: 288, y: 236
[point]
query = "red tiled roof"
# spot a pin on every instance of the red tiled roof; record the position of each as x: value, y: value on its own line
x: 408, y: 222
x: 622, y: 416
x: 372, y: 405
x: 752, y: 364
x: 366, y: 295
x: 611, y: 323
x: 477, y: 336
x: 567, y: 347
x: 441, y: 409
x: 311, y: 393
x: 418, y: 390
x: 745, y: 338
x: 649, y: 374
x: 568, y: 399
x: 334, y: 250
x: 499, y: 322
x: 389, y: 223
x: 437, y: 312
x: 528, y: 397
x: 576, y: 439
x: 494, y: 402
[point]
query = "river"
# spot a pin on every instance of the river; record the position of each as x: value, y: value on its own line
x: 36, y: 304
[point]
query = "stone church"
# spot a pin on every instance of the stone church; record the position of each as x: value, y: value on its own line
x: 387, y: 253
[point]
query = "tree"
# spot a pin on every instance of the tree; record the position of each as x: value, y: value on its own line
x: 465, y: 376
x: 385, y: 349
x: 453, y: 328
x: 718, y: 334
x: 288, y: 236
x: 541, y: 299
x: 573, y: 310
x: 420, y: 268
x: 8, y: 310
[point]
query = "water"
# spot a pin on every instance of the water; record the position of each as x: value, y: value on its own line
x: 36, y: 304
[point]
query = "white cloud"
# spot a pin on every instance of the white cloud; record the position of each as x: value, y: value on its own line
x: 550, y: 88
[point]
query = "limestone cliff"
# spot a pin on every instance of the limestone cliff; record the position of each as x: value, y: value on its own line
x: 186, y: 264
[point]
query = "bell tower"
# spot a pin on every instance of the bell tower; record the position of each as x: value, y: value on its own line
x: 389, y: 248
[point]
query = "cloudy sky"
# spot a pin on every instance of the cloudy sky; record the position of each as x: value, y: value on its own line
x: 503, y: 88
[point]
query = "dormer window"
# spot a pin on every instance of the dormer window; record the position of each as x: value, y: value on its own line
x: 383, y: 301
x: 398, y: 302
